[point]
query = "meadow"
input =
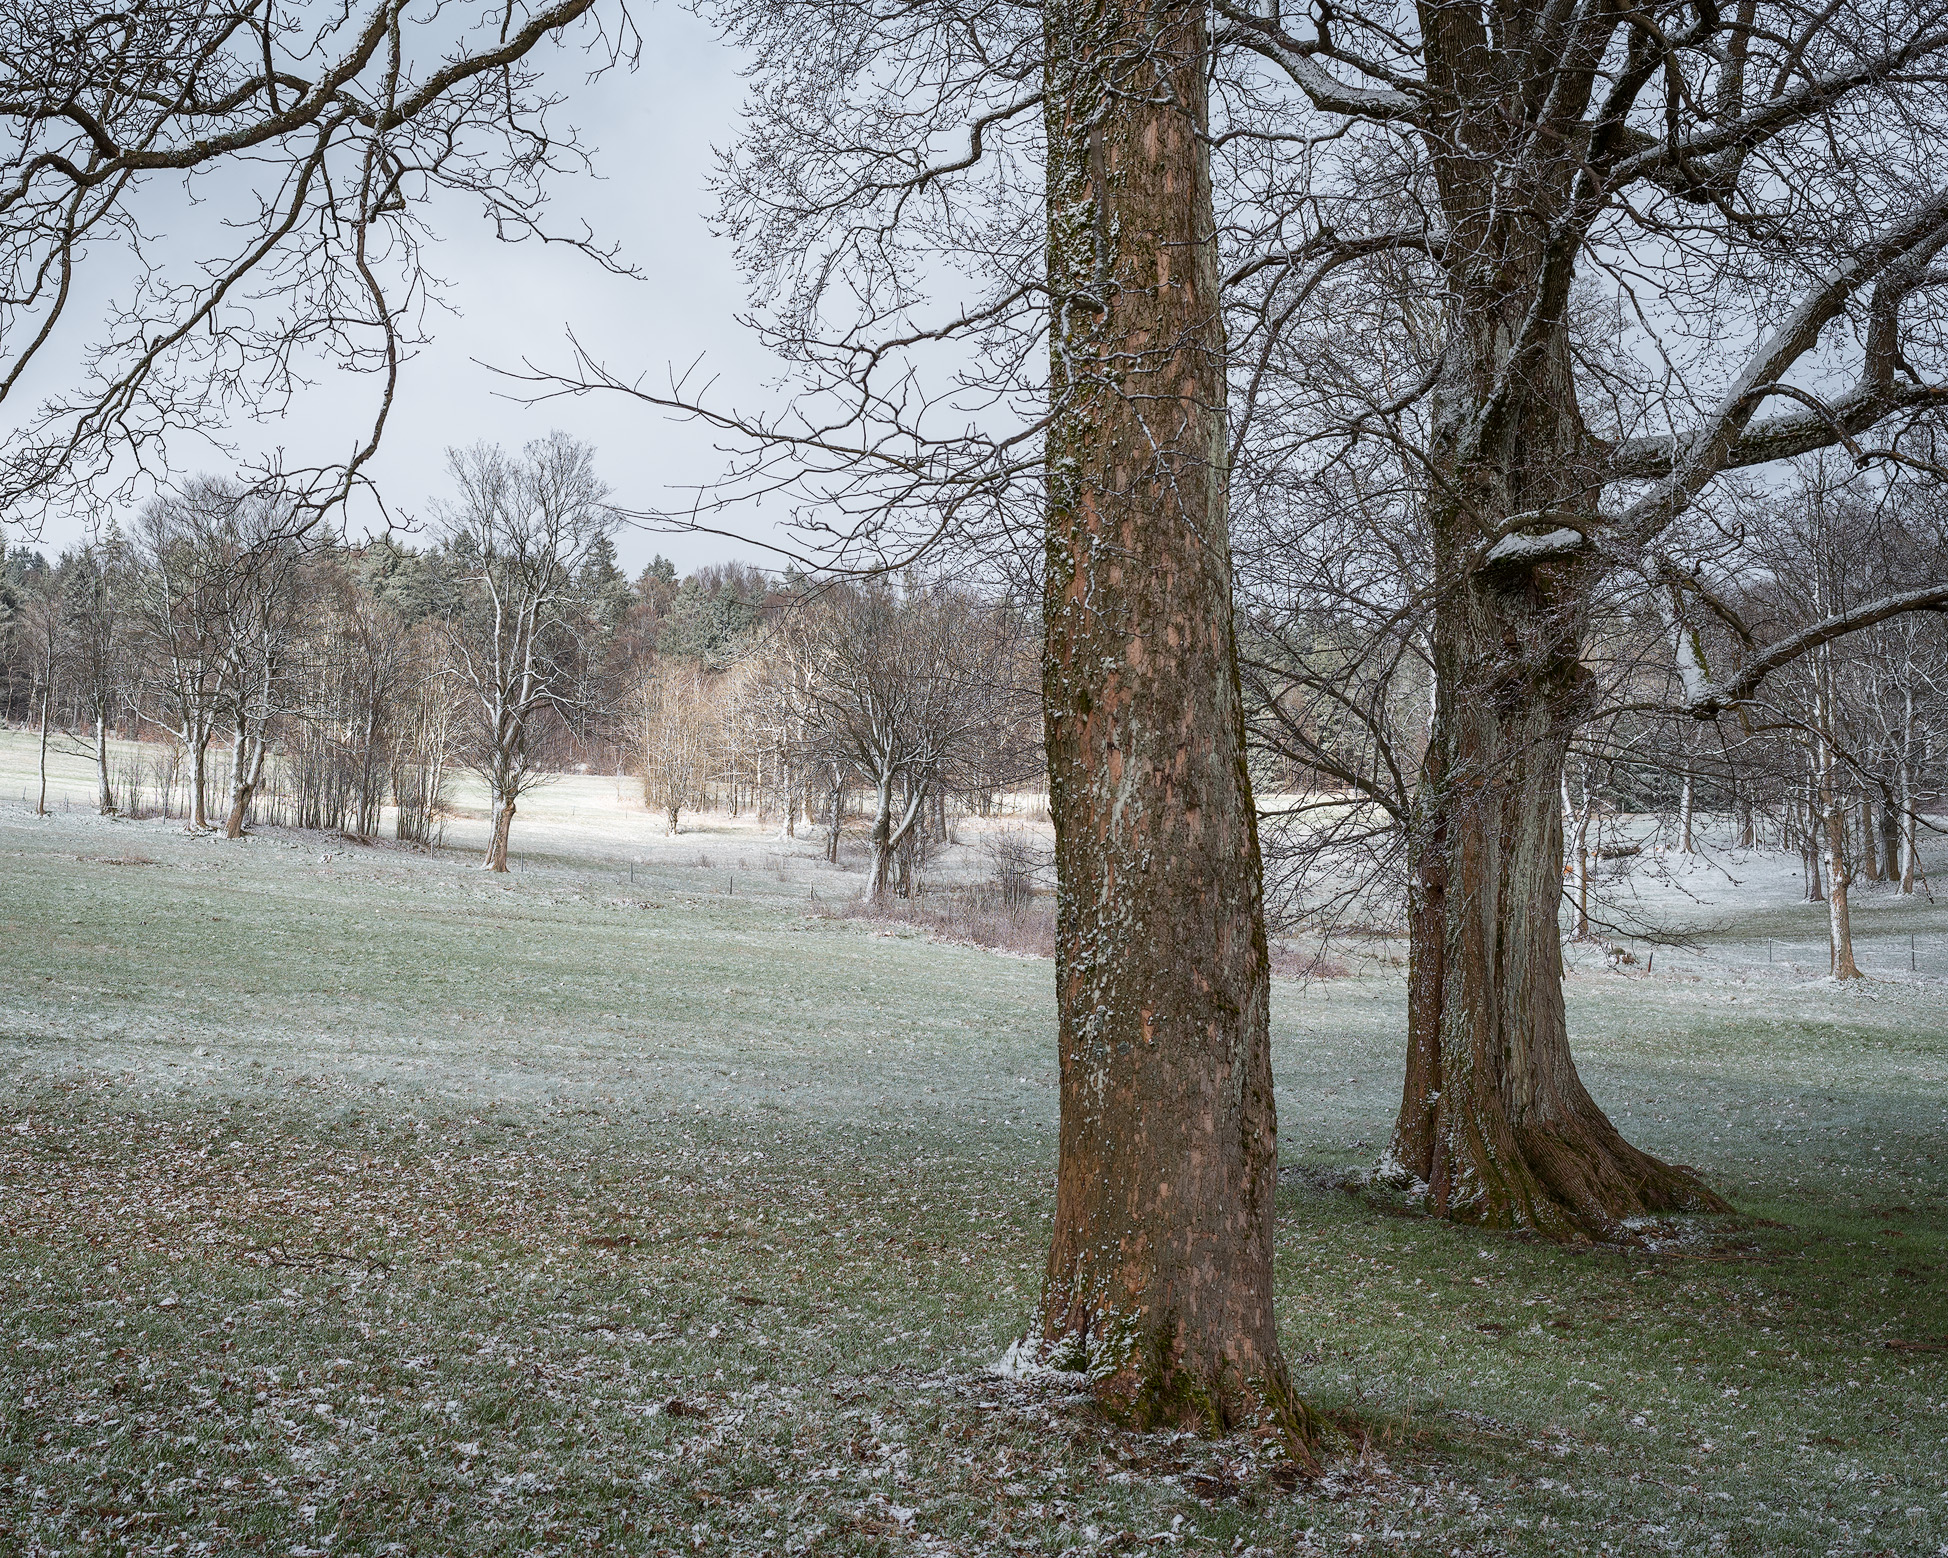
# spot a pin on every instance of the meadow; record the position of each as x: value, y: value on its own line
x: 353, y: 1201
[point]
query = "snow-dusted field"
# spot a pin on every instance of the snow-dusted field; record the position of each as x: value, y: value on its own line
x: 595, y: 822
x: 357, y: 1201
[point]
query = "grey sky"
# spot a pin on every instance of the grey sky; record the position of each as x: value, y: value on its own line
x: 653, y: 130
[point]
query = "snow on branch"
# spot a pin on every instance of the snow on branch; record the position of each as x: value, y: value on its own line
x: 1706, y: 700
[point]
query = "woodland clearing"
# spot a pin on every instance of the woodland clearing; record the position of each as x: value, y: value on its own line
x: 356, y: 1201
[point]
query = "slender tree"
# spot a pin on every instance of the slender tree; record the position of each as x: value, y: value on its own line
x: 94, y: 588
x: 525, y: 528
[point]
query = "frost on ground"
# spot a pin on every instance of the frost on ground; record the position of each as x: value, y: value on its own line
x: 355, y: 1202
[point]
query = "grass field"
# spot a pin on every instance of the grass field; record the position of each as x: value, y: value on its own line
x: 356, y: 1202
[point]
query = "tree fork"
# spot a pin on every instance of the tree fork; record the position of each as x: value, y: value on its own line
x: 1160, y: 1266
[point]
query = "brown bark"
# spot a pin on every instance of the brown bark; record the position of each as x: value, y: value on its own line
x: 1413, y: 1146
x: 1160, y: 1264
x: 199, y: 768
x: 497, y: 844
x: 1494, y: 1120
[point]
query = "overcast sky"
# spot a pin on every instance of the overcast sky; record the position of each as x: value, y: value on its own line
x: 654, y: 130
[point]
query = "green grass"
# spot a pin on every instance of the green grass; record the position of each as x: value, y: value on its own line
x: 373, y: 1205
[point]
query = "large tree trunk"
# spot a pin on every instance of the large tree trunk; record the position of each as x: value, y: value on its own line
x: 1160, y: 1263
x: 1494, y: 1120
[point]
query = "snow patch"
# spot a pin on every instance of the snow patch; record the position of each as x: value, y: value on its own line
x: 1532, y: 549
x: 1027, y: 1359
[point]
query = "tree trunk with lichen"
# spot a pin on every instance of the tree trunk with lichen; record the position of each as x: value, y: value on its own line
x: 1495, y: 1126
x: 1160, y: 1267
x: 1494, y: 1122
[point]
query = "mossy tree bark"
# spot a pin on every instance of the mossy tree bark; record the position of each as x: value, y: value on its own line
x: 1494, y: 1118
x: 1160, y: 1268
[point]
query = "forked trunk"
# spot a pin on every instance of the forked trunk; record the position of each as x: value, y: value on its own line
x: 1160, y: 1262
x: 1494, y: 1122
x: 246, y: 773
x: 890, y: 840
x: 882, y: 838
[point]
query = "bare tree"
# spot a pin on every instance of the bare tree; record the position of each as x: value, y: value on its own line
x: 182, y: 550
x: 676, y: 720
x: 95, y: 585
x: 524, y: 528
x: 318, y: 137
x: 908, y: 689
x: 256, y: 614
x: 1533, y: 284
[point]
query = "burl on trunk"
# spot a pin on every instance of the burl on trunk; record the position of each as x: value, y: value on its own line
x: 1160, y: 1269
